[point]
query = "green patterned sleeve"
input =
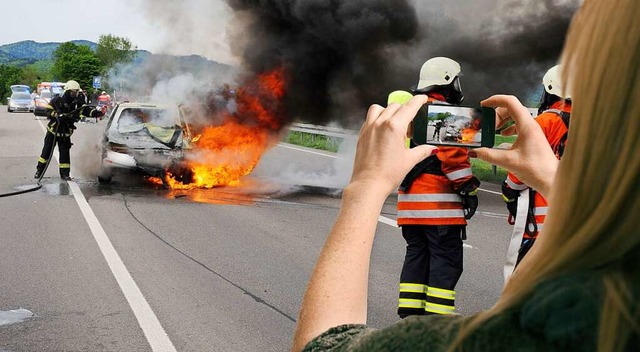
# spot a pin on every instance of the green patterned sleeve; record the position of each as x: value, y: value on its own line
x: 337, y: 338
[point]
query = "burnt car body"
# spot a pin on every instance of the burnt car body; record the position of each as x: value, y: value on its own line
x: 144, y: 137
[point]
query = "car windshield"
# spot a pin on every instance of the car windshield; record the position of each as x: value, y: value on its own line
x: 57, y: 90
x: 130, y: 117
x: 21, y: 96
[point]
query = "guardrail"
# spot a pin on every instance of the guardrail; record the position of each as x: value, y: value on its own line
x: 324, y: 130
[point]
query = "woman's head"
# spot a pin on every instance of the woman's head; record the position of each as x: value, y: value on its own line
x: 594, y: 213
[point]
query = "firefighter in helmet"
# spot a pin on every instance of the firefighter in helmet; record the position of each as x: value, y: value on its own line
x: 63, y: 112
x: 434, y: 201
x: 528, y: 214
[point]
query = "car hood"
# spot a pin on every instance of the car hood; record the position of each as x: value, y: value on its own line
x: 23, y: 101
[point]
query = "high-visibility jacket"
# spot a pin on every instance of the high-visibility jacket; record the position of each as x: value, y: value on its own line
x: 105, y: 99
x: 432, y: 197
x: 555, y: 129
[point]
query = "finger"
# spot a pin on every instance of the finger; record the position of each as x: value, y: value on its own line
x: 510, y: 131
x: 421, y: 152
x: 389, y: 112
x: 499, y: 157
x: 515, y: 109
x: 502, y: 117
x: 374, y: 112
x: 408, y: 111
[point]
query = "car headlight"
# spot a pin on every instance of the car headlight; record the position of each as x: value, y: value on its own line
x: 12, y: 104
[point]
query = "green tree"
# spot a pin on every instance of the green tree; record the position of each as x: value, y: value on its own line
x: 113, y: 50
x: 9, y: 75
x: 76, y: 62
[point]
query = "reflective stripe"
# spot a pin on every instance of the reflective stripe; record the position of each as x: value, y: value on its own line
x: 433, y: 197
x: 411, y: 303
x: 42, y: 161
x: 65, y: 166
x: 441, y: 293
x: 439, y: 308
x: 418, y: 214
x: 515, y: 186
x: 417, y: 288
x: 540, y: 210
x: 459, y: 174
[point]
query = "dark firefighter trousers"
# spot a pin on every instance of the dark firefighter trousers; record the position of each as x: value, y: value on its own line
x: 64, y: 145
x: 432, y: 267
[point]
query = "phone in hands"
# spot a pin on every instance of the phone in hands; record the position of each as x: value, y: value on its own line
x: 457, y: 126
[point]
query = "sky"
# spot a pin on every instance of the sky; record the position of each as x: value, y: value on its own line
x: 146, y: 23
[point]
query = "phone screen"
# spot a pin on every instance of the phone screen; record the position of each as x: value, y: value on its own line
x: 455, y: 126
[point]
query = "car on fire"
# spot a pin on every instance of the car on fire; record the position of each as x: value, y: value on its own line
x: 144, y: 137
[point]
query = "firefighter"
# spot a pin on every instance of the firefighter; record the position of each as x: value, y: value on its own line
x: 63, y: 111
x: 553, y: 116
x: 434, y: 201
x: 436, y: 130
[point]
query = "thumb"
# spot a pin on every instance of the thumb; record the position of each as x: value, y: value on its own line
x: 421, y: 152
x: 499, y: 157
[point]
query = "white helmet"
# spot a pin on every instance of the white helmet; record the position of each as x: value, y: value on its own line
x: 73, y: 85
x: 552, y: 82
x: 438, y: 71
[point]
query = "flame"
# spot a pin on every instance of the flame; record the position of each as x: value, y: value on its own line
x: 468, y: 134
x: 221, y: 155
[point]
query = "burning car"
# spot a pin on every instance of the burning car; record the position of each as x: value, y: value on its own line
x: 144, y: 137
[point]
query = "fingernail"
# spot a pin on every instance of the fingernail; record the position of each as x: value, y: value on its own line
x: 473, y: 154
x: 435, y: 151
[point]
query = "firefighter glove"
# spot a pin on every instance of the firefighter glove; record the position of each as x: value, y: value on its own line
x: 95, y: 113
x: 510, y: 197
x: 469, y: 204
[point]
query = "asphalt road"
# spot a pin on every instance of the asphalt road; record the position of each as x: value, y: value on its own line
x: 129, y: 267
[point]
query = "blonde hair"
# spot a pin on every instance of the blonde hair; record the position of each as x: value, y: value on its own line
x: 594, y: 214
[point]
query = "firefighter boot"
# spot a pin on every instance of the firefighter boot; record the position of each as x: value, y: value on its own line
x: 38, y: 174
x: 64, y: 175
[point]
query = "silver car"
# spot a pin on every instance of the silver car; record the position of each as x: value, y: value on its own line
x: 20, y: 101
x: 144, y: 137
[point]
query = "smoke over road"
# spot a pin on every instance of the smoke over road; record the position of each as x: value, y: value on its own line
x: 340, y: 56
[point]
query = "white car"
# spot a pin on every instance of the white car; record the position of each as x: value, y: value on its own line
x: 20, y: 101
x: 145, y: 137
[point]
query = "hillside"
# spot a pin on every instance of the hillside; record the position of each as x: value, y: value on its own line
x: 31, y: 51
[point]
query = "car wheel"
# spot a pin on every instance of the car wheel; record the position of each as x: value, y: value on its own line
x: 105, y: 180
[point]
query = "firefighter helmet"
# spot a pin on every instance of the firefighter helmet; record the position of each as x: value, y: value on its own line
x: 441, y: 74
x: 552, y: 82
x: 71, y: 85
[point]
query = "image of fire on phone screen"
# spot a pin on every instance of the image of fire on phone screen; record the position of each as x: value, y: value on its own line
x: 458, y: 126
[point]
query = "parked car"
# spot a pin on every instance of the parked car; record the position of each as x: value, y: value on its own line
x: 20, y: 101
x: 41, y: 102
x: 144, y: 137
x: 17, y: 88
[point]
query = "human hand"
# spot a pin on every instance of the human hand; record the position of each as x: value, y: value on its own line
x: 382, y: 159
x: 469, y: 205
x: 530, y: 157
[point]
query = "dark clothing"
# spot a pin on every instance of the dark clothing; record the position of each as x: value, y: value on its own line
x: 561, y: 314
x: 62, y: 112
x: 431, y: 270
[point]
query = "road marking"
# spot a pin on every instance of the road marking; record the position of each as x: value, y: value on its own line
x: 308, y: 151
x: 494, y: 215
x: 393, y: 223
x: 153, y: 331
x: 488, y: 191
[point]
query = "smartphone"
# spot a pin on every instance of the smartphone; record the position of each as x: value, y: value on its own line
x: 459, y: 126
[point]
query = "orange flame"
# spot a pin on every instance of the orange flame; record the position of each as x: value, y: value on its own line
x: 221, y: 155
x: 468, y: 134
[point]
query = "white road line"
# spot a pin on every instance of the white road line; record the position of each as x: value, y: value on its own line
x: 308, y: 151
x: 153, y: 331
x: 488, y: 191
x: 393, y: 223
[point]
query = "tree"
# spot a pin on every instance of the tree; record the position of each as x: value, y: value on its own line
x: 76, y: 62
x: 9, y: 75
x: 113, y: 50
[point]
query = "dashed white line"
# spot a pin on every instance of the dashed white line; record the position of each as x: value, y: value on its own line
x: 151, y: 327
x: 308, y: 151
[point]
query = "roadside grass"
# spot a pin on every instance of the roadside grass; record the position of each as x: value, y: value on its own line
x: 481, y: 169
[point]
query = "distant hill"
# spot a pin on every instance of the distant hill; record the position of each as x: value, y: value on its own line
x: 28, y: 52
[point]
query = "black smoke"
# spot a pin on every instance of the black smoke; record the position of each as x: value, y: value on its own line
x: 343, y: 55
x: 335, y: 52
